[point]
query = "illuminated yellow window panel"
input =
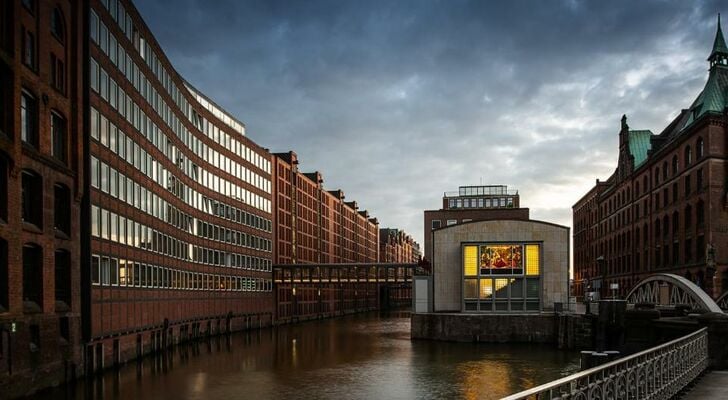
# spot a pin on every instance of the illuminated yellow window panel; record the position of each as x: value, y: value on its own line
x: 486, y: 288
x: 533, y: 260
x: 470, y: 260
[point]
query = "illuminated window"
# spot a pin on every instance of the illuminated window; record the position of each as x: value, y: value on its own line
x: 486, y: 288
x: 532, y: 259
x: 470, y: 260
x: 493, y: 277
x: 501, y: 259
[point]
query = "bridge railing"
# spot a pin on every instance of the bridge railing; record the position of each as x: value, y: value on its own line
x: 656, y: 373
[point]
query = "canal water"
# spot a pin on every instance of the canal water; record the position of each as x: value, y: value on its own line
x: 364, y: 356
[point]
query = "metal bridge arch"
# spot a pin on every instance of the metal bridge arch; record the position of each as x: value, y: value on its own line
x: 671, y: 289
x: 723, y: 301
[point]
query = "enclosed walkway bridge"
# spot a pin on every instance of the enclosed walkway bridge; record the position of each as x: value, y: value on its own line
x: 309, y: 291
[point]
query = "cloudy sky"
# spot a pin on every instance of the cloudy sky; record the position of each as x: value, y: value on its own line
x: 398, y: 102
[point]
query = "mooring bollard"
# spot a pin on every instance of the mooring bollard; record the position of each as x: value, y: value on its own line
x: 585, y: 361
x: 612, y: 354
x: 599, y: 359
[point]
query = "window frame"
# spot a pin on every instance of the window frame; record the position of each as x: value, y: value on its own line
x: 59, y: 137
x: 29, y: 49
x: 32, y: 193
x: 29, y: 119
x: 60, y: 206
x: 57, y: 16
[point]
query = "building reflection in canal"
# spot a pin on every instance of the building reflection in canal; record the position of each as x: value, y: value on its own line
x: 359, y: 356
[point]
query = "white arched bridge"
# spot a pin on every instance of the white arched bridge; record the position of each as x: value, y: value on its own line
x: 670, y: 290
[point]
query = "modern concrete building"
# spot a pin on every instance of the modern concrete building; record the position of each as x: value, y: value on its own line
x: 41, y: 186
x: 179, y: 206
x: 473, y: 203
x: 508, y: 266
x: 665, y: 208
x: 315, y: 225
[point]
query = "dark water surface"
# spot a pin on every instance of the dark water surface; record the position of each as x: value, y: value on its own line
x: 366, y: 356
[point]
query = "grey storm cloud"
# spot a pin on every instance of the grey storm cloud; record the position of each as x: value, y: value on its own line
x: 398, y: 102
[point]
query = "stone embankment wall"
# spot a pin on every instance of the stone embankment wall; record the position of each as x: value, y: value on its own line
x: 568, y: 331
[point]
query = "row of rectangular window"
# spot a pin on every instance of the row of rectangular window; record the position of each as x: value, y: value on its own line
x: 111, y: 92
x: 116, y: 184
x: 147, y: 54
x: 108, y: 225
x: 481, y: 203
x: 112, y: 271
x: 118, y: 13
x: 501, y: 288
x: 114, y: 50
x: 122, y: 145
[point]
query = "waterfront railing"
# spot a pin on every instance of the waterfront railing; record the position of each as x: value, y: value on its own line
x: 656, y: 373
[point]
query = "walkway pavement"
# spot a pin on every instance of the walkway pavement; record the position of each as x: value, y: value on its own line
x: 714, y: 385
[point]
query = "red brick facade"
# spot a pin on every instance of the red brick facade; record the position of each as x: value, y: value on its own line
x: 663, y: 216
x: 134, y: 212
x: 313, y: 225
x: 665, y: 207
x: 396, y: 246
x: 41, y: 172
x: 181, y: 240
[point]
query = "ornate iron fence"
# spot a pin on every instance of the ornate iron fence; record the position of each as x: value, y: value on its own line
x: 656, y: 373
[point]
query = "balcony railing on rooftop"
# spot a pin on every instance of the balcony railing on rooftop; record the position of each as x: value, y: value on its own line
x: 495, y: 190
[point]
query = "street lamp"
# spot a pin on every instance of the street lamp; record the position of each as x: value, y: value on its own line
x: 614, y: 287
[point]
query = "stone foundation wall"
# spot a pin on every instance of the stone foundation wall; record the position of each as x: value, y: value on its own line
x: 576, y: 332
x: 498, y: 328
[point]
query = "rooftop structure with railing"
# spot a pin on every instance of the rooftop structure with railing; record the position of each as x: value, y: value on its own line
x: 481, y: 197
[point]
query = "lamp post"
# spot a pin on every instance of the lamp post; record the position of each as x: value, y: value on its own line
x: 614, y: 287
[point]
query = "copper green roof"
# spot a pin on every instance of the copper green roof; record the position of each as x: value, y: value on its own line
x: 719, y: 46
x: 714, y: 97
x: 639, y: 145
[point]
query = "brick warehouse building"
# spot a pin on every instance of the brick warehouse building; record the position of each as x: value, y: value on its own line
x: 665, y: 208
x: 396, y: 246
x: 315, y: 225
x: 149, y: 224
x: 41, y: 186
x: 180, y: 201
x: 473, y: 203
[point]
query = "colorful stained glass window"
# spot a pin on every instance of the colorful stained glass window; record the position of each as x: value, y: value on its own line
x: 501, y: 277
x: 501, y: 259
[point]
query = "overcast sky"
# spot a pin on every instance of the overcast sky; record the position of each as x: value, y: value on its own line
x: 398, y: 102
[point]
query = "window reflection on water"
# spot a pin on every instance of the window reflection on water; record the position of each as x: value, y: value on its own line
x: 361, y: 357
